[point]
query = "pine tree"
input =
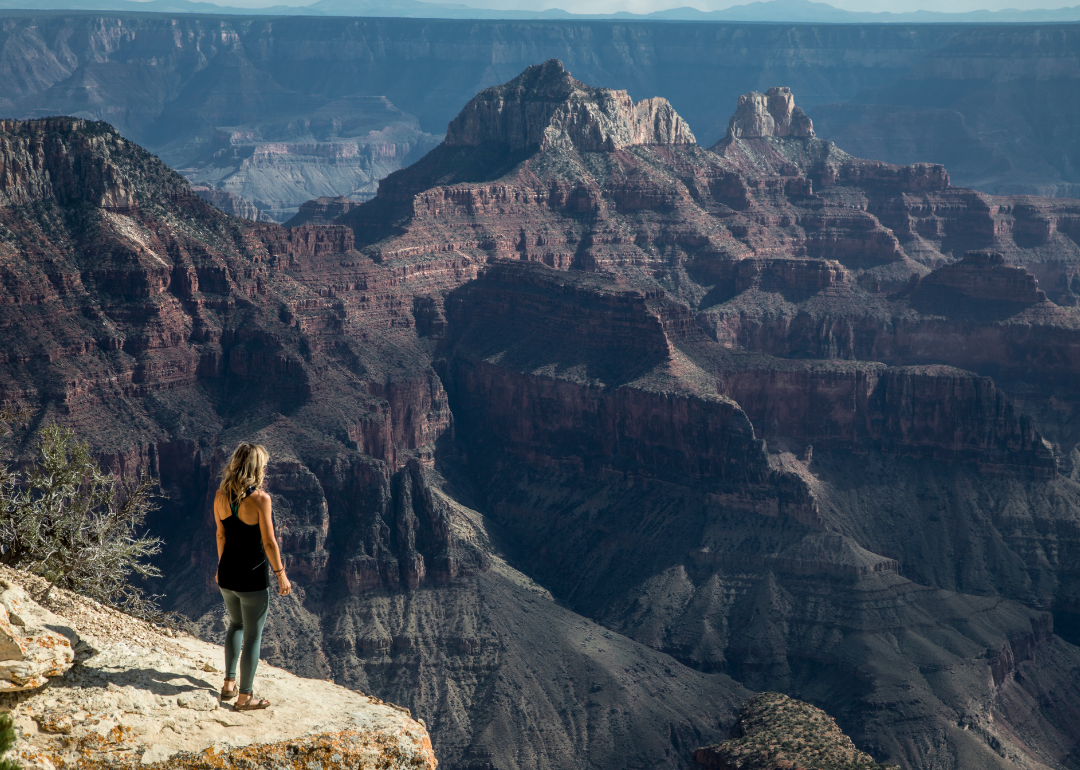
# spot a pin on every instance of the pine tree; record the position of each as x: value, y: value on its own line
x: 78, y: 527
x: 7, y: 740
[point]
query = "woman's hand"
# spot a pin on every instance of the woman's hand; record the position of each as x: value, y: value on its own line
x: 284, y: 587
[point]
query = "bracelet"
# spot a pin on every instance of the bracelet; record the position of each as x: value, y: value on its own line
x: 278, y: 571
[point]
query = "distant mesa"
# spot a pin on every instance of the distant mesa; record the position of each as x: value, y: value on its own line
x: 772, y: 113
x: 545, y: 107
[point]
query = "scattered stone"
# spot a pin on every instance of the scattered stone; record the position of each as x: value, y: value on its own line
x: 200, y: 700
x: 54, y: 723
x: 157, y: 753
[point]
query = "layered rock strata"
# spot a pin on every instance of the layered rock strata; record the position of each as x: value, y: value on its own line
x: 278, y: 150
x: 230, y: 203
x: 588, y: 460
x: 176, y: 331
x: 545, y: 108
x: 984, y: 276
x: 322, y: 211
x: 468, y: 451
x: 972, y: 97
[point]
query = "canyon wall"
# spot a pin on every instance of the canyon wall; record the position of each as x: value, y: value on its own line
x: 901, y: 93
x: 164, y: 332
x: 733, y: 404
x: 620, y: 481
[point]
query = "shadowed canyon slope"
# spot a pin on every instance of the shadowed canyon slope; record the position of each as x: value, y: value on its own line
x: 280, y: 110
x: 582, y: 431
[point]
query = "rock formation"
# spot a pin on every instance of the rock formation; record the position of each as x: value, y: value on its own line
x: 983, y: 276
x: 772, y: 113
x: 544, y: 107
x: 961, y: 96
x: 230, y: 203
x: 638, y: 441
x: 775, y: 732
x: 139, y: 696
x: 169, y: 306
x: 322, y: 211
x: 31, y: 648
x: 331, y: 148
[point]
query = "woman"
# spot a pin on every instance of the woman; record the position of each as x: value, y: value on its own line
x: 245, y: 543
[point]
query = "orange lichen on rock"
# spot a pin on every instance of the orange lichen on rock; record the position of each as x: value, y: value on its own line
x: 138, y: 696
x: 351, y: 749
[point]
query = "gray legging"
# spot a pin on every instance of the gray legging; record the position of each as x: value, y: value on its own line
x: 247, y: 615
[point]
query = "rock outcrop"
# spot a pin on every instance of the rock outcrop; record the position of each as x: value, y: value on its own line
x: 588, y: 459
x: 32, y: 650
x: 138, y: 696
x: 43, y: 161
x: 545, y: 108
x: 230, y: 203
x: 322, y: 211
x: 775, y: 732
x: 984, y: 276
x: 772, y: 113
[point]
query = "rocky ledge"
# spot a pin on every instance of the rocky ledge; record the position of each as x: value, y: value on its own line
x: 135, y: 695
x: 775, y: 732
x: 984, y: 276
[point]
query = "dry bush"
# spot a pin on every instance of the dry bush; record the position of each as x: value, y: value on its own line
x: 78, y: 527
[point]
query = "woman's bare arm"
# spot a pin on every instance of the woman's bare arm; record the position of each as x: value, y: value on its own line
x: 270, y: 544
x: 219, y: 500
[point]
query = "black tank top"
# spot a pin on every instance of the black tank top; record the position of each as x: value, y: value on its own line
x: 243, y: 565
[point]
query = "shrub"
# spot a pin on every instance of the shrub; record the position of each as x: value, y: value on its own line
x: 78, y: 527
x: 7, y: 740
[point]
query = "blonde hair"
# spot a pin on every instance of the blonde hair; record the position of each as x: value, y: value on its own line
x: 246, y: 468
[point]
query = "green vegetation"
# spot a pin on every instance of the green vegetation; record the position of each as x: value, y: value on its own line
x: 7, y: 740
x: 78, y: 527
x: 776, y: 731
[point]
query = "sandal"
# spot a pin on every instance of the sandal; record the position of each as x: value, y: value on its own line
x: 253, y: 704
x: 227, y: 694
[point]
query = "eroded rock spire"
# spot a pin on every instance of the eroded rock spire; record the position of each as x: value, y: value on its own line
x: 772, y: 113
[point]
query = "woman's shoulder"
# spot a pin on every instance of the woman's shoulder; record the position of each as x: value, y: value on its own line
x: 259, y: 496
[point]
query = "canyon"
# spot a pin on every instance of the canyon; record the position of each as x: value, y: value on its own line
x: 583, y: 432
x: 282, y: 110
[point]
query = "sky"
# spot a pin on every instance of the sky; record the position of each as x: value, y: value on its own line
x: 648, y: 6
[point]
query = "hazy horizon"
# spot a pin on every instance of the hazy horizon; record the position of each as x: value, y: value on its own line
x: 651, y: 6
